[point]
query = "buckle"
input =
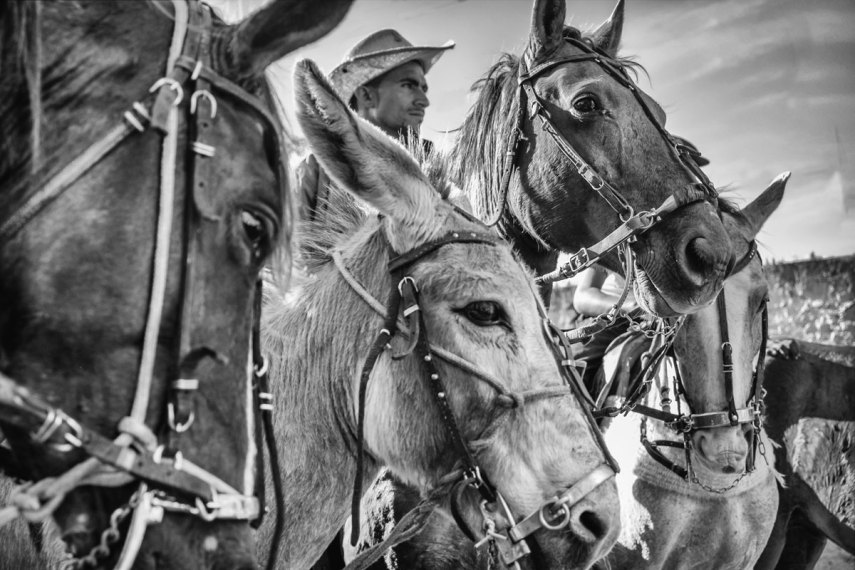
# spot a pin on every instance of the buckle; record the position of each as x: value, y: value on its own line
x: 577, y: 262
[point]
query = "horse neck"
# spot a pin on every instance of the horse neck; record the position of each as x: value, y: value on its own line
x: 537, y: 258
x: 316, y: 342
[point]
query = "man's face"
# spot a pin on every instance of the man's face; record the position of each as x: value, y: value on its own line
x: 398, y: 99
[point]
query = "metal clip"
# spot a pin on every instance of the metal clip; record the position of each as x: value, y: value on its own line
x: 212, y: 101
x: 173, y: 86
x: 259, y: 372
x: 178, y: 427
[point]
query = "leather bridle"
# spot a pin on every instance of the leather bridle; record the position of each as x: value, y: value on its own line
x: 686, y: 424
x: 632, y: 223
x: 168, y: 482
x: 402, y: 315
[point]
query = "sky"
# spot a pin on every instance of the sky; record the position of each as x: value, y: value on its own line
x: 760, y: 86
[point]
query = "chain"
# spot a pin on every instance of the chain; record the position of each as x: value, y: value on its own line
x: 109, y: 537
x: 718, y: 491
x: 656, y: 327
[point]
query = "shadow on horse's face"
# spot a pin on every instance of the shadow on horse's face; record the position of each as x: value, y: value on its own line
x: 77, y: 272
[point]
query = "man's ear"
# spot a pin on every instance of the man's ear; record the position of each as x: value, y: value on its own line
x: 366, y: 96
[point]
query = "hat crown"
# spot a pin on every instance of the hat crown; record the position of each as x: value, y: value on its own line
x: 379, y: 42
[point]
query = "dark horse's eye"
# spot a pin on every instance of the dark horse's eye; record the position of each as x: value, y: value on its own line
x: 586, y: 104
x: 253, y: 227
x: 484, y: 313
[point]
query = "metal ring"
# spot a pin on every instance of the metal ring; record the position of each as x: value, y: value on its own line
x: 629, y: 214
x: 212, y: 101
x: 259, y: 372
x: 411, y: 280
x: 564, y: 513
x: 157, y: 455
x: 178, y: 427
x: 173, y: 85
x: 203, y: 512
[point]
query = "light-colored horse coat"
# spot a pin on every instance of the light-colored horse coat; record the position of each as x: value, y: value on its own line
x: 668, y: 522
x: 477, y: 301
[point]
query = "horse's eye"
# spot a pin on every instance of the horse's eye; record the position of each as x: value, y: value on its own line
x: 484, y: 313
x: 256, y: 234
x: 586, y: 104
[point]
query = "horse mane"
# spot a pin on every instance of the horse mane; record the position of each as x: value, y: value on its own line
x: 479, y: 153
x: 20, y: 64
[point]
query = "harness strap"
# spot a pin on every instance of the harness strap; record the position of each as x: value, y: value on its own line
x: 591, y: 255
x: 380, y: 344
x: 135, y: 120
x: 652, y: 448
x: 726, y: 357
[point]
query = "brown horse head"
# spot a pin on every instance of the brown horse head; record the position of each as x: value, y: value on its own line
x: 90, y: 271
x: 548, y: 198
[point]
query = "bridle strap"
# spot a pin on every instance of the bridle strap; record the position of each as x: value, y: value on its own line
x: 265, y: 430
x: 377, y: 348
x: 726, y: 357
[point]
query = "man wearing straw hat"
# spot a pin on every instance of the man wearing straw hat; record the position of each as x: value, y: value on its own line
x: 383, y: 80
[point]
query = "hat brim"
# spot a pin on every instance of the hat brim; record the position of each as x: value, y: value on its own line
x: 361, y: 69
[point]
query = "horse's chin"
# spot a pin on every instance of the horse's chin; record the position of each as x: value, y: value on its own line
x: 649, y: 298
x: 726, y: 462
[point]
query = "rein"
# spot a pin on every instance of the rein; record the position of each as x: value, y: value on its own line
x: 687, y: 423
x: 402, y: 314
x: 136, y: 454
x: 632, y: 223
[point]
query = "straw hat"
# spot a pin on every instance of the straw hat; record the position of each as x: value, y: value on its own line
x: 375, y: 55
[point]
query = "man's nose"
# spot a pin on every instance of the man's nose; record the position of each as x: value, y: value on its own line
x: 422, y: 100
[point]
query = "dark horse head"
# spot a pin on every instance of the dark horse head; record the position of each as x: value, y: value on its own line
x: 580, y: 121
x: 142, y: 188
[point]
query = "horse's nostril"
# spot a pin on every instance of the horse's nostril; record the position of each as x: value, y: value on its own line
x: 594, y: 524
x: 700, y: 256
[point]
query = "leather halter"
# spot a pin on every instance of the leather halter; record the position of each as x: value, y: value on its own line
x: 686, y: 424
x: 402, y: 314
x: 633, y: 223
x: 136, y: 454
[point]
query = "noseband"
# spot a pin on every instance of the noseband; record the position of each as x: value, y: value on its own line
x: 686, y: 424
x: 177, y: 485
x: 633, y: 223
x: 402, y: 314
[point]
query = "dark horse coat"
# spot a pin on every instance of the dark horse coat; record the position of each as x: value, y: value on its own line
x: 810, y: 411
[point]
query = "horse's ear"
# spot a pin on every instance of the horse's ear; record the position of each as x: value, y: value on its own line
x: 607, y: 36
x: 757, y: 212
x: 363, y: 160
x: 276, y: 30
x: 547, y: 27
